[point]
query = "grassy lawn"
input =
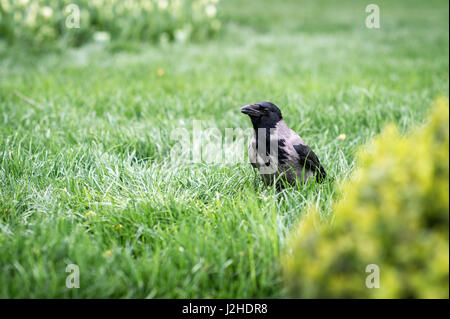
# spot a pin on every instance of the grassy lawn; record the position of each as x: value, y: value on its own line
x: 85, y: 140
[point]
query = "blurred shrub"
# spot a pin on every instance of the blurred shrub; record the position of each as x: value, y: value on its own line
x: 394, y: 213
x: 41, y: 22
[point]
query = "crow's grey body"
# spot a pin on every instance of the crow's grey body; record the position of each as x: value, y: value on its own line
x: 293, y: 160
x: 287, y: 161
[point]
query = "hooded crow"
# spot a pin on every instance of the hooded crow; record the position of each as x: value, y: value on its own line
x: 277, y: 151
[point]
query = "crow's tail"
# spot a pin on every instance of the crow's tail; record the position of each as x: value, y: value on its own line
x: 321, y: 174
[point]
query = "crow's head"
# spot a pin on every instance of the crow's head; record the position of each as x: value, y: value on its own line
x: 263, y: 114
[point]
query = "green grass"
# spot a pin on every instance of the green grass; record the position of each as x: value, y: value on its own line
x: 97, y: 138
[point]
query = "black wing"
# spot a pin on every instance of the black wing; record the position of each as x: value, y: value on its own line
x: 310, y: 161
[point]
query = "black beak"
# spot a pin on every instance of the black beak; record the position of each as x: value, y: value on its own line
x: 251, y: 110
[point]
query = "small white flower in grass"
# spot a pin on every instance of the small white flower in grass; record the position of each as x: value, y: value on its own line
x: 342, y: 137
x: 210, y: 10
x: 181, y: 35
x: 147, y: 5
x: 47, y: 12
x: 163, y: 4
x: 101, y: 36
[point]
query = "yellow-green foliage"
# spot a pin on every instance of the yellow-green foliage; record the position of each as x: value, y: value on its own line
x: 394, y: 213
